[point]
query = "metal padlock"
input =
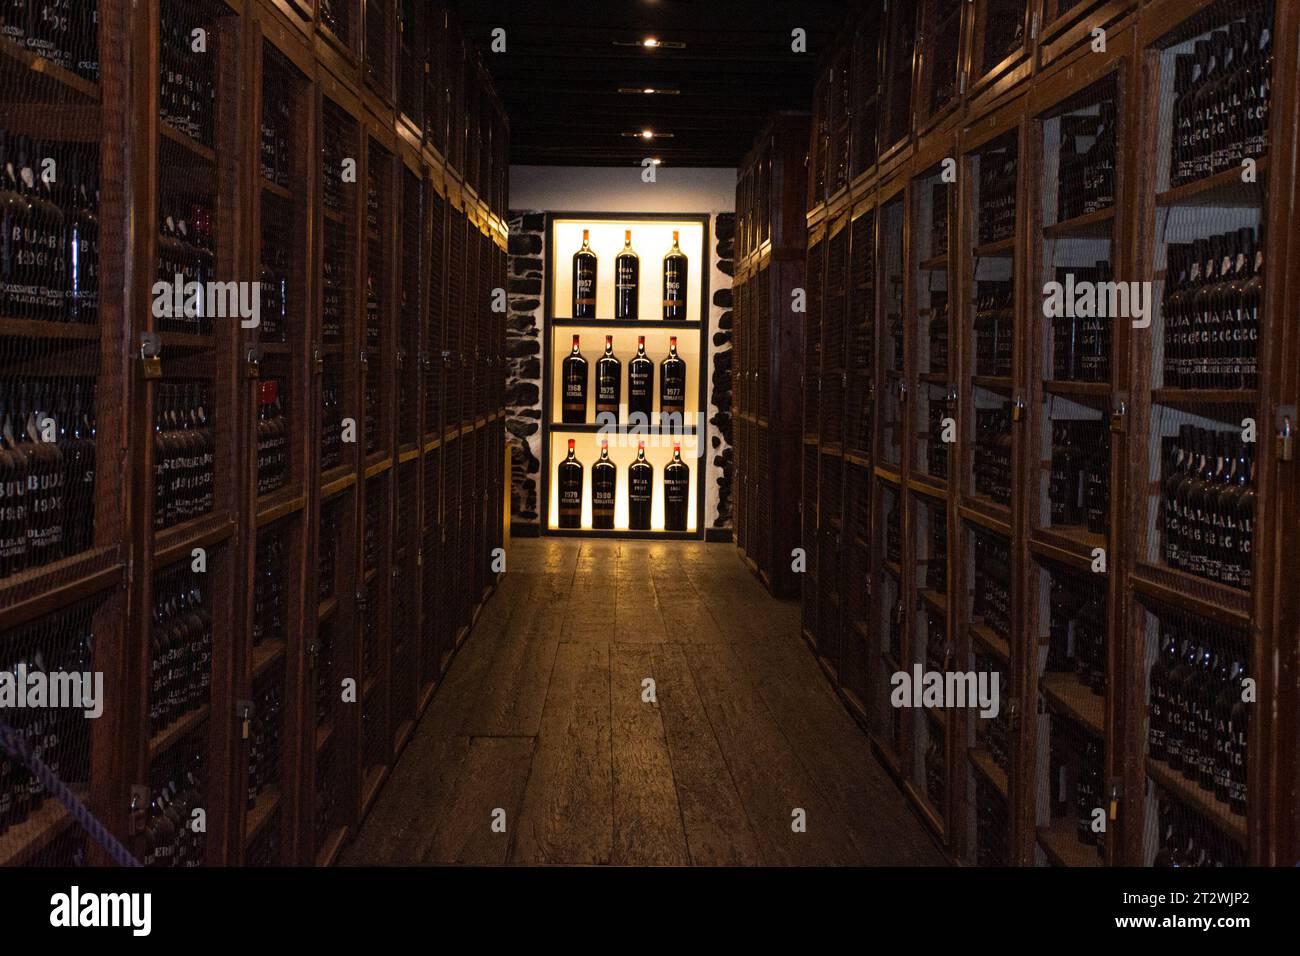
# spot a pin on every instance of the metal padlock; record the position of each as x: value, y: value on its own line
x: 150, y: 355
x: 244, y: 710
x: 1119, y: 415
x: 1018, y: 409
x: 1285, y: 438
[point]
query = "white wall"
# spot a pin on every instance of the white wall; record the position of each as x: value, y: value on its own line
x: 622, y: 189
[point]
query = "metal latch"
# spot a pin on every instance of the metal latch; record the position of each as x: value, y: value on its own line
x: 313, y: 653
x: 244, y: 712
x: 318, y: 361
x: 253, y: 358
x: 1018, y: 408
x: 1112, y: 805
x: 139, y: 806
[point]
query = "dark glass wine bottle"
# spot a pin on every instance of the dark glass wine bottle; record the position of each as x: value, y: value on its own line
x: 677, y: 488
x: 604, y: 490
x: 574, y: 375
x: 627, y: 282
x: 570, y: 478
x: 672, y: 387
x: 609, y: 383
x: 641, y: 477
x: 675, y: 283
x: 640, y: 387
x: 584, y: 280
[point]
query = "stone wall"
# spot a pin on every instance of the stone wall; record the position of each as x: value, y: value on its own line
x: 524, y: 371
x: 724, y: 227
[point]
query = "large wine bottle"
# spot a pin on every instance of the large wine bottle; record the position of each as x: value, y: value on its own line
x: 675, y: 275
x: 584, y: 280
x: 641, y: 481
x: 570, y: 476
x: 604, y: 488
x: 627, y: 281
x: 574, y: 372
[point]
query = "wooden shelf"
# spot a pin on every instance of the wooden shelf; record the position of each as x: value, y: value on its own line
x: 642, y: 327
x: 268, y: 801
x: 326, y: 608
x: 991, y: 641
x: 266, y: 654
x: 1068, y: 389
x: 1093, y: 225
x: 278, y: 504
x: 983, y: 762
x: 190, y: 145
x: 186, y: 342
x: 41, y: 81
x: 20, y: 843
x: 276, y: 190
x: 934, y: 263
x: 994, y: 383
x: 1060, y: 841
x: 1206, y: 399
x: 1203, y: 801
x: 329, y: 851
x: 1068, y: 694
x: 323, y: 734
x: 936, y: 599
x: 176, y: 731
x: 1228, y: 606
x: 1223, y: 190
x: 1002, y: 249
x: 1070, y: 545
x: 36, y: 329
x: 625, y: 430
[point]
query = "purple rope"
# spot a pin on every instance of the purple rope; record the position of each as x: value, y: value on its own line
x: 17, y: 744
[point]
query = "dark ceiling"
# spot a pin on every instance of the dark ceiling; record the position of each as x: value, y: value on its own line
x: 562, y: 71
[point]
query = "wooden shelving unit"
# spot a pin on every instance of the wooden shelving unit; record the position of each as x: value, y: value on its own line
x: 353, y: 96
x: 1025, y: 69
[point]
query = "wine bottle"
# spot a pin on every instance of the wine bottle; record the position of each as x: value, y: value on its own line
x: 570, y: 476
x: 604, y: 489
x: 609, y: 382
x: 675, y: 283
x: 640, y: 387
x: 672, y: 387
x: 641, y: 478
x: 584, y: 280
x: 677, y: 485
x: 627, y: 281
x: 574, y: 375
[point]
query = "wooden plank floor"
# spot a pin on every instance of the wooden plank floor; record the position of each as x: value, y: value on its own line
x: 549, y: 727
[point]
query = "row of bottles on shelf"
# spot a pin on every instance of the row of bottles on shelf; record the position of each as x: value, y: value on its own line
x: 1213, y: 290
x: 184, y: 453
x: 1081, y: 343
x: 327, y: 569
x: 180, y: 648
x: 269, y: 594
x: 994, y: 734
x: 992, y: 825
x: 178, y: 784
x: 1078, y: 488
x: 187, y: 91
x: 627, y: 281
x: 1077, y: 629
x: 273, y: 460
x: 277, y: 254
x: 995, y: 329
x: 1077, y: 778
x: 1086, y: 161
x: 334, y: 283
x: 47, y: 471
x: 1198, y: 722
x: 935, y: 764
x: 997, y: 202
x: 277, y: 146
x: 992, y: 595
x: 938, y: 332
x: 325, y: 660
x: 992, y: 453
x: 938, y: 220
x: 938, y: 410
x: 59, y: 736
x: 65, y: 32
x: 267, y: 849
x: 1188, y: 839
x: 604, y: 491
x: 1221, y: 98
x: 331, y: 445
x: 49, y: 218
x: 187, y: 248
x: 264, y: 735
x: 1208, y: 505
x: 609, y: 377
x: 936, y: 563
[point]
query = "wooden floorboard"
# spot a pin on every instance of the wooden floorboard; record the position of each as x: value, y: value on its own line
x: 542, y: 716
x: 647, y: 820
x: 567, y: 814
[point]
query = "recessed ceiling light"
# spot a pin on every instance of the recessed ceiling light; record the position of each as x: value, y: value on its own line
x: 652, y: 43
x: 647, y: 134
x: 650, y: 90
